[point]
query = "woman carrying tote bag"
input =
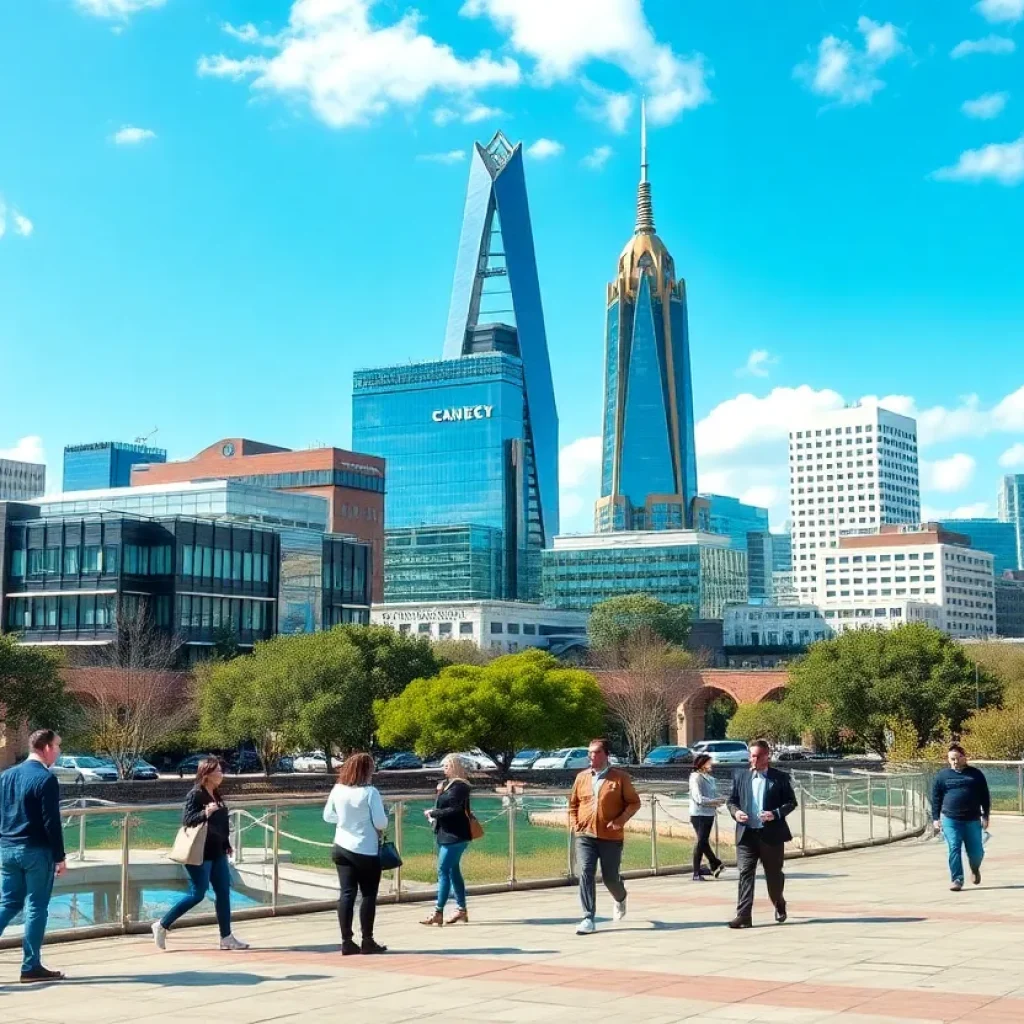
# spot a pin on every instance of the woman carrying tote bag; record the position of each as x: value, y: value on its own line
x: 357, y: 811
x: 205, y: 806
x: 455, y: 827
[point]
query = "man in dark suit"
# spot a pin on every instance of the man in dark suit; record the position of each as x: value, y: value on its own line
x: 31, y: 847
x: 760, y: 800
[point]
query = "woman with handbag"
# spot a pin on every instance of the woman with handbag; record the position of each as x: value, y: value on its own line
x: 357, y: 811
x: 205, y: 820
x: 454, y: 827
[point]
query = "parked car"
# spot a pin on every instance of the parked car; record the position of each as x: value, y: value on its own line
x: 141, y: 770
x: 669, y: 755
x: 190, y: 765
x: 67, y: 776
x: 790, y: 752
x: 567, y: 757
x: 316, y: 761
x: 91, y: 769
x: 404, y: 761
x: 527, y: 758
x: 284, y: 764
x: 245, y: 762
x: 724, y: 751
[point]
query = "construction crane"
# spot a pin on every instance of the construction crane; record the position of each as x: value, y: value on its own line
x: 145, y: 440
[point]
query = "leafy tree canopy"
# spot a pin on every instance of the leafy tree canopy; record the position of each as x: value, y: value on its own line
x: 770, y: 720
x: 516, y: 701
x: 613, y: 622
x: 31, y: 685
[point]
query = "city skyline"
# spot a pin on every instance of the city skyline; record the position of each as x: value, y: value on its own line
x: 209, y: 221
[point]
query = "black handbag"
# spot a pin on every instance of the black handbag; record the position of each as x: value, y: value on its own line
x: 388, y: 853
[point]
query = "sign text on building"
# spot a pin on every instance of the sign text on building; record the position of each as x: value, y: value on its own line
x: 462, y: 412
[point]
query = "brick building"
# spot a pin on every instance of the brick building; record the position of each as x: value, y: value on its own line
x: 353, y: 484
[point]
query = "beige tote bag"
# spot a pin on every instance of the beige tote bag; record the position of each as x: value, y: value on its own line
x: 188, y: 845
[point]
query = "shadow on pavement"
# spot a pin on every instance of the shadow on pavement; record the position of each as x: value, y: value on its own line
x: 172, y: 979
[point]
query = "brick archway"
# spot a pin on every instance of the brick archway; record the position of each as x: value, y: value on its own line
x: 743, y: 687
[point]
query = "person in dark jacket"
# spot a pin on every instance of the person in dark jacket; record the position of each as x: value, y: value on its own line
x: 450, y: 818
x: 204, y: 804
x: 761, y: 798
x: 960, y: 807
x: 31, y: 847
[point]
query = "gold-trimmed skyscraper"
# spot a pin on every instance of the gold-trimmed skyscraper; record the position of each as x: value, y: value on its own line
x: 648, y: 461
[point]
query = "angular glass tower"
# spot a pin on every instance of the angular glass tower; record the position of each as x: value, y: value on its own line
x: 648, y: 463
x: 496, y: 307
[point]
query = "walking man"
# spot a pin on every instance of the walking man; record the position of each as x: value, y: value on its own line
x: 960, y: 807
x: 602, y: 800
x: 760, y: 800
x: 31, y: 846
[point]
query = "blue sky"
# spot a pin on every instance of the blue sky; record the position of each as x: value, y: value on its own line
x: 214, y: 210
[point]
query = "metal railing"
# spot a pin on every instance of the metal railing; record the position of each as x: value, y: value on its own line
x: 119, y: 878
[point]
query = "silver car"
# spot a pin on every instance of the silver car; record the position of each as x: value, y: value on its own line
x: 724, y: 751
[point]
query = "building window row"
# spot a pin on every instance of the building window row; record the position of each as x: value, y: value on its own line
x: 209, y: 563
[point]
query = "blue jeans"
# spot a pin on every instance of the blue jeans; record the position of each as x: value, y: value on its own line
x: 449, y: 875
x: 963, y: 833
x: 216, y: 873
x: 27, y: 881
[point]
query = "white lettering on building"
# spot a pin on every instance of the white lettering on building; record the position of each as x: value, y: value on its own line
x: 462, y: 412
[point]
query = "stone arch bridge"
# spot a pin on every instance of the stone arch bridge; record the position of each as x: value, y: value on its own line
x: 744, y: 688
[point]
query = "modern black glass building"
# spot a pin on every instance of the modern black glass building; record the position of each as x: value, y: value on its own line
x: 648, y: 459
x: 471, y: 440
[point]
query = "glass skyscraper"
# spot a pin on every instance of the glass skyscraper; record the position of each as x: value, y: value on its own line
x: 1011, y: 509
x: 471, y: 441
x: 97, y: 467
x: 648, y: 461
x: 997, y: 538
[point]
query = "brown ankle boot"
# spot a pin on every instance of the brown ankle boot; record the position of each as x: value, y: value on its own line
x: 435, y: 918
x: 459, y: 917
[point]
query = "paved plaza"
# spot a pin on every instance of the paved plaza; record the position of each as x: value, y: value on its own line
x: 873, y: 935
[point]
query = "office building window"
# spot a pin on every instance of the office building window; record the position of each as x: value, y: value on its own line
x: 466, y: 628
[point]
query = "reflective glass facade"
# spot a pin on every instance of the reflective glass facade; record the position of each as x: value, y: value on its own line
x: 648, y: 452
x: 21, y: 481
x: 703, y: 576
x: 91, y: 467
x: 465, y: 562
x: 735, y: 519
x: 1011, y: 509
x: 997, y: 538
x: 453, y: 434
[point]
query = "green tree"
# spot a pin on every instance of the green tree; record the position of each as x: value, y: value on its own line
x: 614, y: 622
x: 717, y: 715
x: 392, y: 659
x: 518, y: 700
x: 770, y: 720
x: 864, y: 681
x: 32, y: 686
x: 462, y: 652
x: 225, y: 642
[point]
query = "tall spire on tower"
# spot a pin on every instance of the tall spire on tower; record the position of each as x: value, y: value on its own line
x: 644, y: 209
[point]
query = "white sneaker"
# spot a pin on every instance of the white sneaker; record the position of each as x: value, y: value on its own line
x: 232, y: 943
x: 159, y: 935
x: 586, y: 927
x: 620, y: 910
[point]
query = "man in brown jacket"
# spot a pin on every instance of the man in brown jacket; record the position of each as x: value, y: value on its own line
x: 601, y: 802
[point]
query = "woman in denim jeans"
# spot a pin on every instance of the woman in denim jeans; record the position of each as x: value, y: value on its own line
x: 450, y: 818
x: 205, y: 804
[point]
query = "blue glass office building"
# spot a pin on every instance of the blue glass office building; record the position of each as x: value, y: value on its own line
x: 471, y: 440
x: 96, y: 467
x: 997, y: 538
x: 1011, y: 509
x: 648, y: 463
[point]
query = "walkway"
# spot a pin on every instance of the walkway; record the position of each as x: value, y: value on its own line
x: 873, y: 936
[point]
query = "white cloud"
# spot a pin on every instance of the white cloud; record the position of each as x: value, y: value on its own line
x: 611, y: 108
x: 26, y: 449
x: 758, y: 363
x: 579, y: 469
x: 846, y: 74
x: 975, y: 510
x: 999, y: 161
x: 1013, y: 457
x: 453, y: 156
x: 22, y: 225
x: 249, y: 33
x: 350, y: 70
x: 563, y: 37
x: 542, y: 149
x: 1000, y: 10
x: 986, y: 107
x: 764, y: 495
x: 471, y: 114
x: 946, y: 475
x: 116, y: 8
x: 990, y: 44
x: 597, y: 158
x: 129, y: 135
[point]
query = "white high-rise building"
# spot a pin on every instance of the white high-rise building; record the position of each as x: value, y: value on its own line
x: 850, y: 471
x: 21, y: 481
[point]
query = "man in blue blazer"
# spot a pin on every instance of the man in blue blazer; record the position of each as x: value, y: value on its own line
x: 761, y: 798
x: 31, y: 847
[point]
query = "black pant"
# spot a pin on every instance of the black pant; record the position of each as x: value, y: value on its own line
x: 702, y: 826
x: 362, y: 872
x: 751, y: 849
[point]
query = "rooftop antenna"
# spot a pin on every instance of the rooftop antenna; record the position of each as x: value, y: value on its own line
x: 644, y: 209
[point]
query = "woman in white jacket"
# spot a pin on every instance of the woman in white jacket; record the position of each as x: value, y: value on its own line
x: 704, y: 802
x: 357, y: 810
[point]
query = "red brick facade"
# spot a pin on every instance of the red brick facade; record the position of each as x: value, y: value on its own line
x: 749, y: 687
x: 351, y: 510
